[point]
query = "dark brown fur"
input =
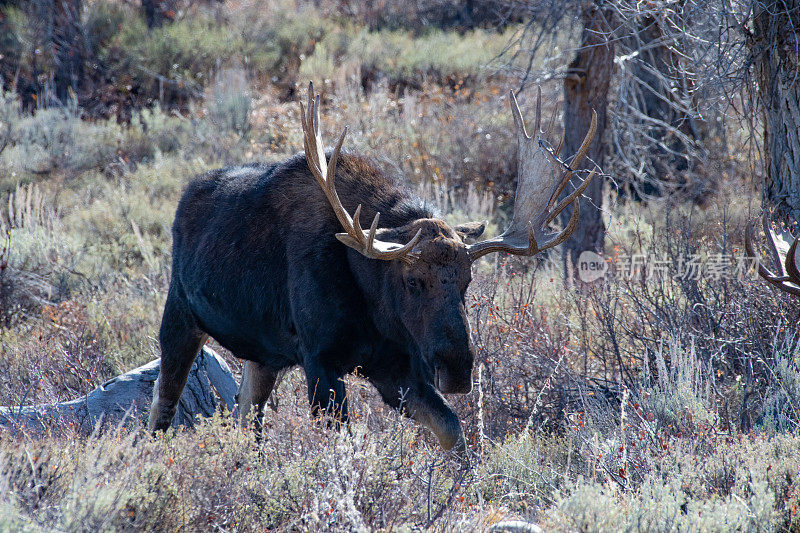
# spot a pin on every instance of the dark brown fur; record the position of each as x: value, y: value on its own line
x: 256, y: 265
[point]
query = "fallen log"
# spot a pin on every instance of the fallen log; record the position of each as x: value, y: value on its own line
x: 210, y: 382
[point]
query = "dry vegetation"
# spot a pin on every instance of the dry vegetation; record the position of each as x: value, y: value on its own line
x: 661, y: 402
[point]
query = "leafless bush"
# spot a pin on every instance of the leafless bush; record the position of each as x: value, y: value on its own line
x: 22, y: 292
x: 681, y: 351
x: 418, y: 15
x: 684, y: 75
x: 229, y: 102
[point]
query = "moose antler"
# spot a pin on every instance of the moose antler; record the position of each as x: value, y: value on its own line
x: 785, y: 255
x: 355, y: 237
x: 537, y: 191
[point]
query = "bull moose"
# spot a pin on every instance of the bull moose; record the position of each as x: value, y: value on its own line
x: 260, y: 263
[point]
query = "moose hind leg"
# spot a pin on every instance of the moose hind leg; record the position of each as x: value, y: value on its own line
x: 257, y: 384
x: 180, y: 340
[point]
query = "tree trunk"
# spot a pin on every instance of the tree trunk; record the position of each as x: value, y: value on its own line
x: 69, y: 49
x: 661, y: 95
x: 774, y: 47
x: 467, y: 11
x: 156, y: 12
x: 130, y: 395
x: 586, y: 89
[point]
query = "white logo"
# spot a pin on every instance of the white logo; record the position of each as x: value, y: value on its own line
x: 591, y: 266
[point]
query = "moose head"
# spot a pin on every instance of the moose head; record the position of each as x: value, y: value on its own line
x: 427, y: 263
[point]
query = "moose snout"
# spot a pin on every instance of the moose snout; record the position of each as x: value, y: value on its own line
x: 452, y: 363
x: 453, y: 382
x: 453, y: 375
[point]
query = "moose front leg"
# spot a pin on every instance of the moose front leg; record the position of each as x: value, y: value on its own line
x: 326, y: 392
x: 257, y: 384
x: 427, y: 406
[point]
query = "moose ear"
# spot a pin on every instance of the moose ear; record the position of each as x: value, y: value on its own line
x: 471, y: 230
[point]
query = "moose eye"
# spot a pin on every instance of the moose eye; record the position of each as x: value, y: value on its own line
x: 413, y: 283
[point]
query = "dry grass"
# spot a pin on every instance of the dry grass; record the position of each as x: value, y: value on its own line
x: 662, y: 403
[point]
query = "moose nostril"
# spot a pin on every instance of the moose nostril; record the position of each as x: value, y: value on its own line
x: 437, y: 373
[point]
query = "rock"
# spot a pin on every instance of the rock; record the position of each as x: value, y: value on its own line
x: 131, y: 394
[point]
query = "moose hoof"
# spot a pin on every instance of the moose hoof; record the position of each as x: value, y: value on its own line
x: 160, y: 419
x: 452, y: 439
